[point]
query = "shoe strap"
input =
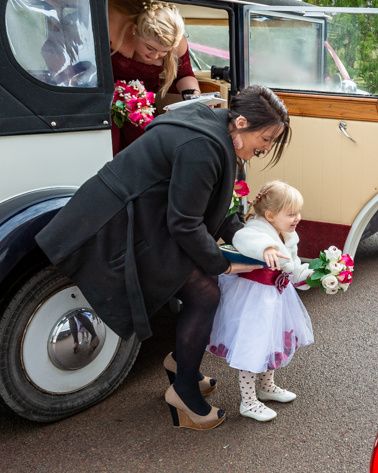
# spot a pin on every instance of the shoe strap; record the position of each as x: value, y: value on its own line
x: 256, y: 406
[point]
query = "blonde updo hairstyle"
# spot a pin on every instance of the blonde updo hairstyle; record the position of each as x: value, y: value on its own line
x: 160, y: 22
x: 275, y: 196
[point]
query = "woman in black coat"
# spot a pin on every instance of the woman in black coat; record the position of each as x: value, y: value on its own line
x: 145, y: 228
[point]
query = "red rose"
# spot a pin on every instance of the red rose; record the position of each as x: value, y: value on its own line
x: 345, y: 277
x: 132, y: 104
x: 150, y: 97
x: 241, y: 188
x: 347, y: 260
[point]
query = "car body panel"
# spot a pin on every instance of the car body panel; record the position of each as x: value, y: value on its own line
x: 36, y: 161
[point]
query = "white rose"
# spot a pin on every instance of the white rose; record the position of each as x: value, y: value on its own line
x: 333, y: 253
x: 335, y: 267
x: 331, y: 291
x: 344, y: 287
x: 330, y: 282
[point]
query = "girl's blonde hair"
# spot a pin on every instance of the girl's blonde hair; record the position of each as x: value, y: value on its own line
x: 276, y: 196
x: 161, y: 22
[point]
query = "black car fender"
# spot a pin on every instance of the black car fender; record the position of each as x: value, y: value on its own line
x: 21, y: 218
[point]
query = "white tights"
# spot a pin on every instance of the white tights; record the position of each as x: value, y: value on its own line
x: 247, y: 383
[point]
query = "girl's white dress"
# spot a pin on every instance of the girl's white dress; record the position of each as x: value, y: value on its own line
x: 257, y: 327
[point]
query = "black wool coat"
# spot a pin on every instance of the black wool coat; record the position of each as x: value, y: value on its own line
x: 131, y: 235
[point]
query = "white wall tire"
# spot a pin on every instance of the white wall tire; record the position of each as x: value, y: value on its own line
x: 33, y: 381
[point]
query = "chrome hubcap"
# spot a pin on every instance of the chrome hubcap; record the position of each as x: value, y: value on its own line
x: 76, y: 339
x: 48, y: 356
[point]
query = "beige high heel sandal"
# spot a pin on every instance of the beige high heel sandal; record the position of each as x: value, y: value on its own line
x: 207, y: 385
x: 182, y: 416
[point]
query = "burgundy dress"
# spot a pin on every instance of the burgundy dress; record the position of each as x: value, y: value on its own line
x: 128, y: 69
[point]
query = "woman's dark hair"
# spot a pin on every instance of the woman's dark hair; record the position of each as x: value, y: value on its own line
x: 262, y: 108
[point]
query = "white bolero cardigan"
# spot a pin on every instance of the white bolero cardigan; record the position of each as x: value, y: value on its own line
x: 258, y: 234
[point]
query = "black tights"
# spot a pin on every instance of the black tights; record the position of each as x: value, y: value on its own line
x: 200, y: 296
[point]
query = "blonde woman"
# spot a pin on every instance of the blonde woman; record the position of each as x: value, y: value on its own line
x: 147, y: 42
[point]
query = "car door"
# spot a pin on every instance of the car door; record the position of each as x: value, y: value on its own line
x: 322, y: 63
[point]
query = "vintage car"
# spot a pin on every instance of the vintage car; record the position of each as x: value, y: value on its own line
x: 55, y: 133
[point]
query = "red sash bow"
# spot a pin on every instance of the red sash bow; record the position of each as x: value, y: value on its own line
x: 269, y: 277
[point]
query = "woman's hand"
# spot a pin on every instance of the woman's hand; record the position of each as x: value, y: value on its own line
x: 235, y: 268
x: 272, y: 258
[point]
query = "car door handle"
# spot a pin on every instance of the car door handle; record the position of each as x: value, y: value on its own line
x: 343, y: 129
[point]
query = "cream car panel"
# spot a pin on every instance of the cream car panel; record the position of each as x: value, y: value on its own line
x: 49, y: 160
x: 336, y: 176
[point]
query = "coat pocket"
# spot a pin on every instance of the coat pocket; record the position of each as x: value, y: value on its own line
x: 118, y: 260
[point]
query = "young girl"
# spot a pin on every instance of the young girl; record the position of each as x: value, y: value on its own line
x: 260, y: 321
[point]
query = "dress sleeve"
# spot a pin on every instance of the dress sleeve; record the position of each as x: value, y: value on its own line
x: 251, y: 242
x: 299, y: 276
x: 184, y: 66
x: 299, y: 271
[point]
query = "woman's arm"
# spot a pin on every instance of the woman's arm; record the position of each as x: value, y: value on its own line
x: 185, y: 76
x: 228, y: 228
x: 196, y: 170
x: 182, y: 47
x: 188, y: 83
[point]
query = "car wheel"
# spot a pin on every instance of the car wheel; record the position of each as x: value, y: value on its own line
x: 56, y: 356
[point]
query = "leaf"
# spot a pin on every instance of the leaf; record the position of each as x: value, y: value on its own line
x: 316, y: 275
x: 117, y: 120
x: 316, y: 263
x: 323, y: 257
x: 232, y: 210
x: 311, y: 283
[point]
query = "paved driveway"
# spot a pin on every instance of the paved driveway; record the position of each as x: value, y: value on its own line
x: 330, y: 428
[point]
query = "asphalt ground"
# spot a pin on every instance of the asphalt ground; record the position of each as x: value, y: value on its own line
x: 329, y: 428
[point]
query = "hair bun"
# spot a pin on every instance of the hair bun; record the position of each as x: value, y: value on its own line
x: 259, y: 196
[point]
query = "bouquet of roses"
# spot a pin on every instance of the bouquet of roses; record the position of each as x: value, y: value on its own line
x: 332, y: 271
x: 132, y: 103
x: 241, y: 189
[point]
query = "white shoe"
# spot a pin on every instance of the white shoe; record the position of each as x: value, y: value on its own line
x: 258, y: 411
x: 277, y: 394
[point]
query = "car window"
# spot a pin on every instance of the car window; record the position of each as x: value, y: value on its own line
x: 284, y: 51
x: 321, y: 50
x: 209, y: 45
x: 207, y: 31
x: 53, y: 40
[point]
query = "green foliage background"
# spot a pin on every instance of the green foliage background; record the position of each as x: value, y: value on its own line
x: 355, y: 39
